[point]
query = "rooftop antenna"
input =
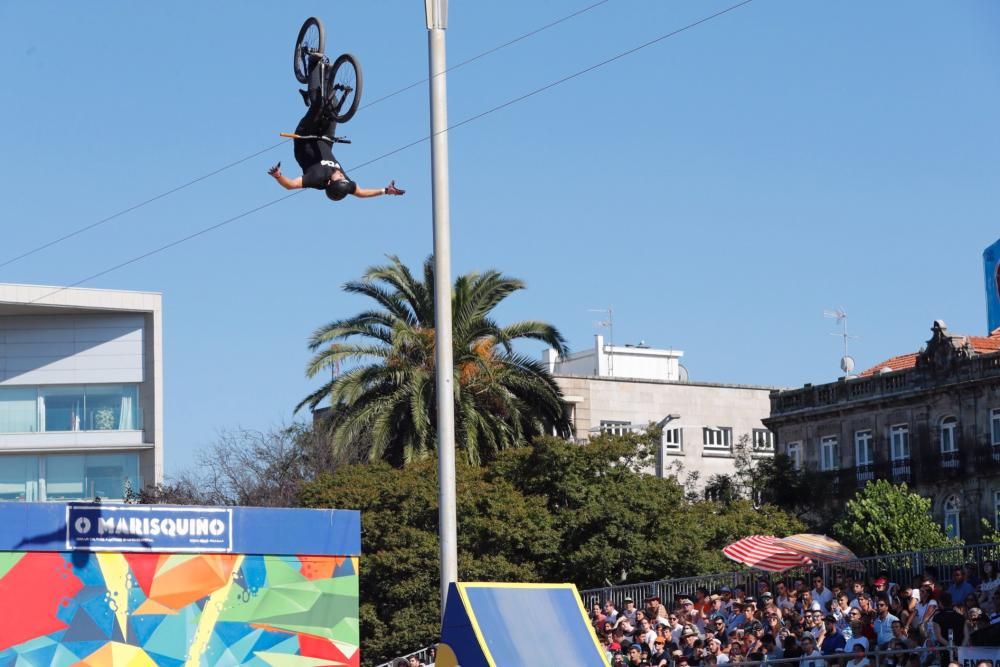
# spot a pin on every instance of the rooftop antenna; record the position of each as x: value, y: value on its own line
x: 847, y: 361
x: 608, y: 324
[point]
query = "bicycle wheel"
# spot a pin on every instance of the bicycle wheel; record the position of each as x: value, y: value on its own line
x: 311, y: 39
x: 344, y: 87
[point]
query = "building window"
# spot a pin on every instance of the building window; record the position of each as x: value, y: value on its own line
x: 794, y: 451
x: 899, y: 437
x: 952, y: 517
x: 95, y: 407
x: 68, y: 476
x: 995, y: 426
x: 829, y: 453
x: 763, y: 440
x: 615, y: 427
x: 672, y: 440
x: 718, y: 438
x: 19, y: 478
x: 864, y: 448
x: 949, y: 431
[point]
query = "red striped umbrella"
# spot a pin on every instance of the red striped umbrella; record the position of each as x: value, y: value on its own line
x: 764, y: 553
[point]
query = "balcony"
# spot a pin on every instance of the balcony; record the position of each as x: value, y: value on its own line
x: 901, y: 470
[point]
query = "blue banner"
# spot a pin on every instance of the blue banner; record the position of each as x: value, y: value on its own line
x: 148, y: 528
x: 79, y: 526
x: 991, y: 270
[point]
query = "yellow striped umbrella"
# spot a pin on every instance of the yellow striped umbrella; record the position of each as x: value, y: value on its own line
x: 819, y: 548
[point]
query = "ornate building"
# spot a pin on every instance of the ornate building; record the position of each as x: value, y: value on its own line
x: 929, y: 418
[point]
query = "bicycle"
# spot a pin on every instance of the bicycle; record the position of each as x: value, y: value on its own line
x: 340, y: 81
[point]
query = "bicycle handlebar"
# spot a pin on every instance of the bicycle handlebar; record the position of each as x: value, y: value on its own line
x: 332, y: 140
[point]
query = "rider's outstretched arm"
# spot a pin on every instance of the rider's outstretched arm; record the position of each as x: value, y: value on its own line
x: 390, y: 189
x: 284, y: 181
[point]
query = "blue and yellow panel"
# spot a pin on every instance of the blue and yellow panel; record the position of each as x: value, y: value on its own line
x: 991, y: 270
x: 517, y: 625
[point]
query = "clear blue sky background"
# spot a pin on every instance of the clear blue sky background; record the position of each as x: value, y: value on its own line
x: 718, y: 190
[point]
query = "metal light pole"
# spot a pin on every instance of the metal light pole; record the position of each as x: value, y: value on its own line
x: 437, y: 21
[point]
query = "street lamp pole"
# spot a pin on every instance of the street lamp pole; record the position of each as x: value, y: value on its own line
x: 437, y: 21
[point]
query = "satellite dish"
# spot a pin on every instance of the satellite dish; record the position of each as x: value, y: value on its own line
x: 847, y: 364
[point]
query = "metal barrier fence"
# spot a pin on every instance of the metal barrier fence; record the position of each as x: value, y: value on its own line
x: 423, y: 655
x: 898, y: 567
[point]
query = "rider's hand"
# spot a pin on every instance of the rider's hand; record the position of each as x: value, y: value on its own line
x: 275, y: 171
x: 391, y: 189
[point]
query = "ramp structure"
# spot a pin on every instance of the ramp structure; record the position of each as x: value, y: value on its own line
x: 103, y: 585
x: 517, y: 625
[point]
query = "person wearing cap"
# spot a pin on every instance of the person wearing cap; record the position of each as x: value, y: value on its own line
x: 654, y: 609
x: 629, y: 610
x: 833, y: 640
x: 635, y: 654
x: 661, y: 651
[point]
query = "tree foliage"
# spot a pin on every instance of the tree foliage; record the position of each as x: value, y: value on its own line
x: 387, y: 399
x: 886, y: 518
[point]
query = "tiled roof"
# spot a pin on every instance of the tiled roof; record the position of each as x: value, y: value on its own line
x: 895, y: 363
x: 981, y: 344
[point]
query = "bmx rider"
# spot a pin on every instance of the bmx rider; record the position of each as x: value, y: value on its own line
x: 320, y: 169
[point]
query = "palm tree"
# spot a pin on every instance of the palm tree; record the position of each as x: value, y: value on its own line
x: 385, y: 403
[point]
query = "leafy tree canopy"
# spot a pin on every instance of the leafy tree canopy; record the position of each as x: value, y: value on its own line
x: 886, y: 518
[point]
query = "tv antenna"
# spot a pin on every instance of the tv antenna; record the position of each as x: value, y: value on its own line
x: 608, y: 324
x: 847, y: 361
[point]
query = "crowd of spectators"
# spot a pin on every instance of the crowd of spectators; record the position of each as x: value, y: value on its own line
x: 814, y: 621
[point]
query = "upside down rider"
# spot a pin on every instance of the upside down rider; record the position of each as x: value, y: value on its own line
x: 320, y: 169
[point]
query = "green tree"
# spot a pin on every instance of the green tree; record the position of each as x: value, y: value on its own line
x: 620, y: 524
x: 886, y: 518
x: 387, y: 400
x: 502, y: 536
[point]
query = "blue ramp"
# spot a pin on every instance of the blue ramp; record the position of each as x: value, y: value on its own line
x: 517, y: 625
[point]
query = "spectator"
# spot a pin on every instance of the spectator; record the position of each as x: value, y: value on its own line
x: 949, y: 625
x: 635, y: 654
x: 714, y: 652
x: 821, y: 594
x: 415, y: 662
x: 959, y: 587
x: 654, y: 609
x: 811, y: 656
x: 610, y: 611
x: 990, y: 582
x: 629, y: 611
x: 782, y: 595
x: 882, y: 624
x: 833, y: 640
x: 858, y: 656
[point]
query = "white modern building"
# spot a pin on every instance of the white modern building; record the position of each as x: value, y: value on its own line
x: 625, y: 388
x: 81, y: 392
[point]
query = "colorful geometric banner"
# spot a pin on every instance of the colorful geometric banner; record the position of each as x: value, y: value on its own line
x: 130, y: 609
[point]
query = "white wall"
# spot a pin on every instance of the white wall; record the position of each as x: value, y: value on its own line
x: 71, y: 349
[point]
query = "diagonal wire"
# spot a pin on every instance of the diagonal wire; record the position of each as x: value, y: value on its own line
x: 460, y: 123
x: 122, y: 212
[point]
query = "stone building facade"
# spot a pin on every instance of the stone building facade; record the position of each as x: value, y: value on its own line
x: 614, y: 389
x: 929, y: 418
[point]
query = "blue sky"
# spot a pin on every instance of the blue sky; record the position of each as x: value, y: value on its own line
x: 719, y: 190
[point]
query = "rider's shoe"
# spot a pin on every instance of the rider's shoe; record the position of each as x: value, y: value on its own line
x: 305, y: 96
